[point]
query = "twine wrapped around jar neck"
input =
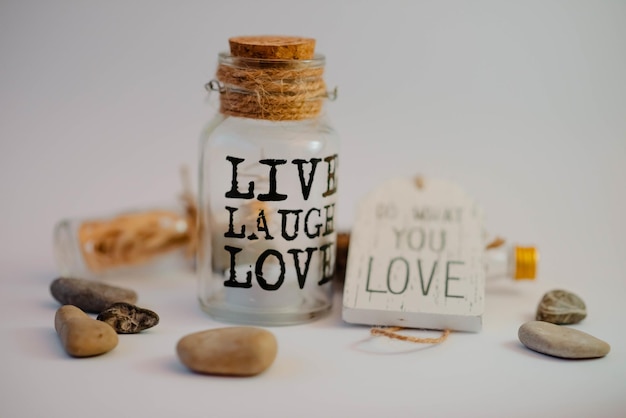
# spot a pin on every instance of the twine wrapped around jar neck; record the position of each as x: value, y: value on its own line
x: 270, y: 89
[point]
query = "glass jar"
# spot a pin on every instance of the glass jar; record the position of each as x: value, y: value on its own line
x: 267, y: 204
x: 141, y: 242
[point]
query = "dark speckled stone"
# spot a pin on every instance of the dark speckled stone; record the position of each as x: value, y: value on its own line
x: 126, y: 318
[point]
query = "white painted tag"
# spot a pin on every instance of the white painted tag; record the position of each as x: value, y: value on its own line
x: 416, y: 258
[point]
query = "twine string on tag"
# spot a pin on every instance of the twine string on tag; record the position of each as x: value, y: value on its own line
x: 392, y: 332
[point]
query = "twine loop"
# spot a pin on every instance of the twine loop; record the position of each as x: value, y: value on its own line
x: 392, y: 332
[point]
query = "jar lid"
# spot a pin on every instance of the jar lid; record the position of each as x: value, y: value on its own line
x: 273, y: 47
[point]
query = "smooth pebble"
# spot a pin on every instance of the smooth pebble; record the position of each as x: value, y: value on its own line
x: 89, y: 295
x: 234, y: 351
x: 559, y: 341
x: 81, y: 335
x: 561, y: 307
x: 126, y: 318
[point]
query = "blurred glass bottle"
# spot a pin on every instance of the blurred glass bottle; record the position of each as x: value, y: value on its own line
x: 511, y: 261
x: 134, y: 242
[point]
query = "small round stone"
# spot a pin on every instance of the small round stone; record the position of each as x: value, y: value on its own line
x: 81, y: 335
x: 232, y: 351
x: 89, y: 295
x: 559, y: 341
x: 561, y: 307
x: 126, y: 318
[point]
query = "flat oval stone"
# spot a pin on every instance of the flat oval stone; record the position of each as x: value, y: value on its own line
x: 126, y: 318
x: 559, y: 341
x: 82, y: 336
x: 561, y: 307
x: 233, y: 351
x: 89, y: 295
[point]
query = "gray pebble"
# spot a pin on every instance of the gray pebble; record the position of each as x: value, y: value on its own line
x: 89, y: 295
x: 126, y: 318
x: 561, y: 307
x: 560, y: 341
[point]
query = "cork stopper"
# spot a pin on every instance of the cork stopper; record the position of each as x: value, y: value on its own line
x: 272, y: 47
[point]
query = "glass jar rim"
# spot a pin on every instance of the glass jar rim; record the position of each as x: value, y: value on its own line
x: 318, y: 61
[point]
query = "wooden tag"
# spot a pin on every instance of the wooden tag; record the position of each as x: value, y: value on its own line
x: 416, y: 258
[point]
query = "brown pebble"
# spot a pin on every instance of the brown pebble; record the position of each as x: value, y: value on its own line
x: 89, y: 295
x: 233, y: 351
x: 82, y: 336
x: 561, y: 307
x: 126, y: 318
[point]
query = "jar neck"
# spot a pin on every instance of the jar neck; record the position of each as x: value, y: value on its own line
x: 276, y: 90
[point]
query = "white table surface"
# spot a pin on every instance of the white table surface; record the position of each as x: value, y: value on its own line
x: 523, y: 104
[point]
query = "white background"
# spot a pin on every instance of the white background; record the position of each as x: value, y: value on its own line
x: 521, y: 103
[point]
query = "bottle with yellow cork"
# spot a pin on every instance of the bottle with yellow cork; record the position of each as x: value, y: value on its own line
x: 268, y: 186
